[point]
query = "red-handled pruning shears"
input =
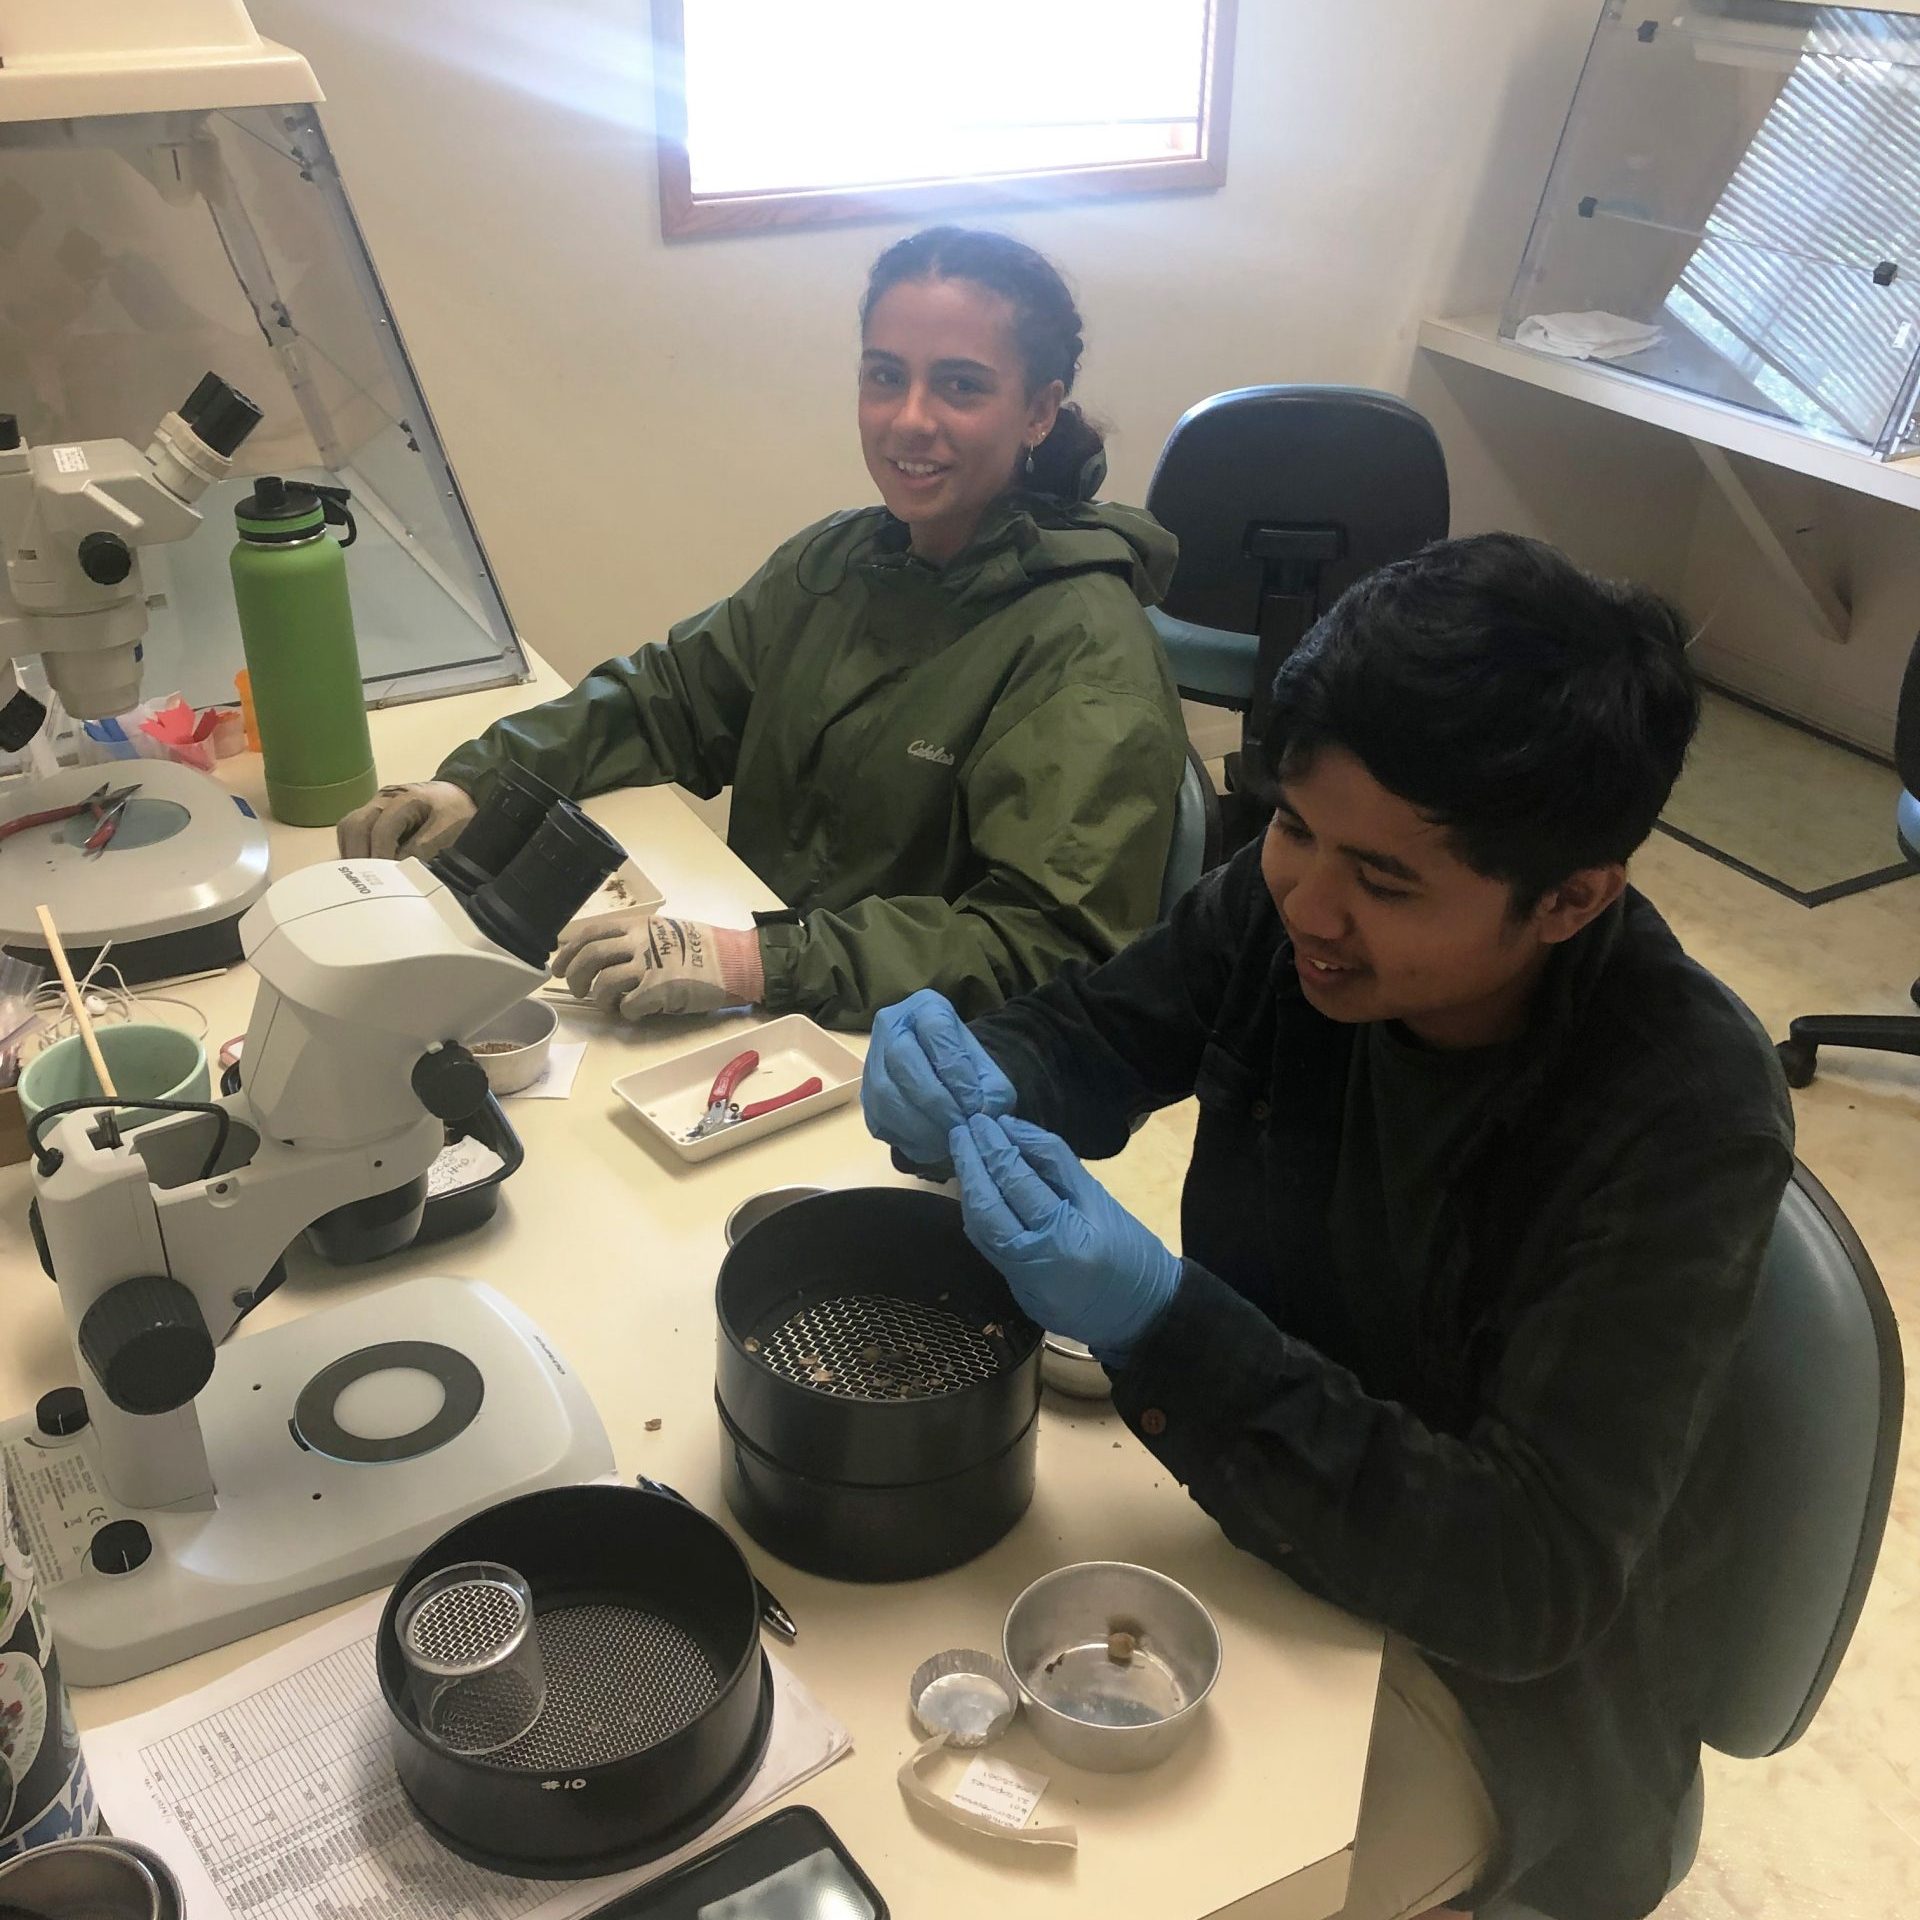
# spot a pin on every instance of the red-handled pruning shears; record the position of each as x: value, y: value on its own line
x: 106, y: 803
x: 724, y: 1111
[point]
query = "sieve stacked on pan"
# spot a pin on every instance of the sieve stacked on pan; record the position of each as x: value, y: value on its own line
x: 878, y: 1389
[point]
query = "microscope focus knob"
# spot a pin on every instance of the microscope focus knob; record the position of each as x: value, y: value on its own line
x: 450, y: 1082
x: 148, y: 1345
x: 105, y: 559
x: 120, y: 1546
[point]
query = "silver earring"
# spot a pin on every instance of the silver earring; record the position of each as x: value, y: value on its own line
x: 1029, y: 467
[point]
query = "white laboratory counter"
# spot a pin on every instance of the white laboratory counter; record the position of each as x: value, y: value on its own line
x: 612, y: 1244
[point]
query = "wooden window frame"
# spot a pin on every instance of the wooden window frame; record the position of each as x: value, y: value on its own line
x: 683, y: 216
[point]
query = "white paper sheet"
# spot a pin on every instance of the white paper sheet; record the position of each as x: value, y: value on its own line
x: 563, y: 1066
x: 271, y: 1795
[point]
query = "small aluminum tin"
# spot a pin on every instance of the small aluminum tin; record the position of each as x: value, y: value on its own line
x: 1083, y: 1705
x: 969, y: 1696
x: 750, y: 1212
x: 1068, y: 1367
x: 98, y: 1879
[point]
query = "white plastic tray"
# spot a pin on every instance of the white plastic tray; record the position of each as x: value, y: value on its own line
x: 626, y: 889
x: 672, y: 1097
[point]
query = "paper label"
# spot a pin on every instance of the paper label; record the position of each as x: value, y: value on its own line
x: 464, y: 1164
x: 68, y: 459
x: 1004, y: 1793
x: 58, y: 1506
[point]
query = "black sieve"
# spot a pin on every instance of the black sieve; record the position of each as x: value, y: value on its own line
x: 871, y: 1346
x: 656, y: 1698
x: 878, y: 1388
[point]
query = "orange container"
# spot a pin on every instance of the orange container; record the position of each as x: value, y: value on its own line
x: 243, y: 686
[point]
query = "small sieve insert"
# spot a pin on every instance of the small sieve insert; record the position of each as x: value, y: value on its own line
x: 472, y: 1656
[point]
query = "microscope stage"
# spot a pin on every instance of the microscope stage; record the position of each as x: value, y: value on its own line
x: 468, y: 1405
x: 168, y: 889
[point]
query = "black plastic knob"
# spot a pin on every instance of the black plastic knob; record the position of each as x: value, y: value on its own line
x: 105, y: 559
x: 61, y: 1412
x: 9, y: 432
x: 149, y: 1346
x: 20, y: 720
x: 450, y: 1082
x: 120, y: 1546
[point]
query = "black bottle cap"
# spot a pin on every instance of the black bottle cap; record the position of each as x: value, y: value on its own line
x: 120, y: 1546
x: 9, y: 432
x: 273, y: 498
x: 61, y: 1412
x: 221, y: 416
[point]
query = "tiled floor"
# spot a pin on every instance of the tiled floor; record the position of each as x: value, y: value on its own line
x: 1745, y: 792
x: 1829, y: 1830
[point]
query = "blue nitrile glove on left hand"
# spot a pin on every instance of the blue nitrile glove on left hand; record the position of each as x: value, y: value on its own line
x: 925, y: 1075
x: 1078, y: 1262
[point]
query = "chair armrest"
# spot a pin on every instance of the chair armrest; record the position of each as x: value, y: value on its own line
x: 1209, y: 664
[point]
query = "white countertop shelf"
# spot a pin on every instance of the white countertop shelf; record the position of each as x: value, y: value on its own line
x: 1476, y: 340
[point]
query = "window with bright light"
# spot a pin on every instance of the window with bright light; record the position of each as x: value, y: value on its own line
x: 783, y: 112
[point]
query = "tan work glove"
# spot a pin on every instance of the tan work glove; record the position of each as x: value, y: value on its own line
x: 406, y: 822
x: 642, y: 964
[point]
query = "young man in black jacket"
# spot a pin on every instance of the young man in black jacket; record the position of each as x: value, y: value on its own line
x: 1484, y: 1172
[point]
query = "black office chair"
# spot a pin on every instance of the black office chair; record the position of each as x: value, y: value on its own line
x: 1879, y: 1032
x: 1281, y: 498
x: 1815, y: 1394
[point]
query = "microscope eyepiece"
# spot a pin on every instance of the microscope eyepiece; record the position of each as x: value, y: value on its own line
x: 219, y: 414
x: 524, y: 907
x: 514, y: 810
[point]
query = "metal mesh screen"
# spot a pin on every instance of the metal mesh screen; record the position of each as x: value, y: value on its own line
x: 619, y: 1680
x: 465, y: 1626
x: 866, y: 1346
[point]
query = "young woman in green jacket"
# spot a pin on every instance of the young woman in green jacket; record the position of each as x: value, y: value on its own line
x: 951, y: 737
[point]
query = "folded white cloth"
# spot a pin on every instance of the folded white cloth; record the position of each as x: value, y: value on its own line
x: 1587, y: 336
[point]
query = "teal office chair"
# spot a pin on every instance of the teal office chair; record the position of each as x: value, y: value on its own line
x: 1880, y: 1032
x: 1196, y: 832
x: 1816, y: 1392
x: 1281, y: 497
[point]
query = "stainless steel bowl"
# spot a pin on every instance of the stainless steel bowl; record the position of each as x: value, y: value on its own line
x: 513, y: 1049
x: 1095, y: 1700
x: 98, y: 1879
x: 749, y: 1213
x: 1068, y: 1367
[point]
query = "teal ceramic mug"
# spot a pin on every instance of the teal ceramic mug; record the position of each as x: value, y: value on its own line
x: 147, y: 1061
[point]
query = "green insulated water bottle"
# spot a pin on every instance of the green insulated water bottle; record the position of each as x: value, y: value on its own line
x: 290, y: 583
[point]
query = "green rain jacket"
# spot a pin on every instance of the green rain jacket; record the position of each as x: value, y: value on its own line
x: 959, y: 777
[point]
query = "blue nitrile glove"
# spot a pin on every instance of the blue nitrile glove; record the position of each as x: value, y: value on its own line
x: 1078, y: 1262
x: 925, y: 1075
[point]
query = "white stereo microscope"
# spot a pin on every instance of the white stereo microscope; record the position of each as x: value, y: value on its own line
x: 190, y: 1493
x: 186, y: 862
x: 170, y: 202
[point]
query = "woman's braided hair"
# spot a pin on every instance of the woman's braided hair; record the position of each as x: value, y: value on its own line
x: 1046, y: 329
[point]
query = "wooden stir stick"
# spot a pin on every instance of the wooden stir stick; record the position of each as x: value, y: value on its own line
x: 89, y: 1039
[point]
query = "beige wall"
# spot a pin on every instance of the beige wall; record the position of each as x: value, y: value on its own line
x: 638, y: 424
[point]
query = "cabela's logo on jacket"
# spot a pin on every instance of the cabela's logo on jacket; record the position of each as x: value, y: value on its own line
x: 926, y: 750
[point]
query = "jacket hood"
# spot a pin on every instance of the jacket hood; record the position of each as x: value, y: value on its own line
x: 1025, y: 538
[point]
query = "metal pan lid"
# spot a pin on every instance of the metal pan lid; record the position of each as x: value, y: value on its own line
x: 968, y: 1696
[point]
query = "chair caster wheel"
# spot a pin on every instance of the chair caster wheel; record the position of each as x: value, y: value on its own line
x: 1796, y: 1062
